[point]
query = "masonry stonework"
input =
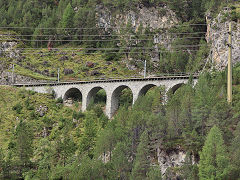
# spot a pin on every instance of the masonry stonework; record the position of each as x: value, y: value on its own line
x: 112, y: 88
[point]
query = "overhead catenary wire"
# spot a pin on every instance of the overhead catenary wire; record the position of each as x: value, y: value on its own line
x: 109, y: 52
x: 143, y: 48
x: 58, y: 28
x: 102, y: 35
x: 92, y: 40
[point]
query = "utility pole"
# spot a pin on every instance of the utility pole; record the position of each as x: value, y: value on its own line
x: 58, y: 76
x: 229, y: 78
x: 145, y: 68
x: 13, y: 74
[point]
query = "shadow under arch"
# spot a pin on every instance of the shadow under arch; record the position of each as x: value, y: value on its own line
x: 73, y: 94
x: 115, y: 98
x: 93, y: 94
x: 145, y: 89
x: 173, y: 89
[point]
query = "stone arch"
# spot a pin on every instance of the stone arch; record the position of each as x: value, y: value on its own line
x: 175, y: 88
x: 115, y: 98
x: 92, y: 93
x: 74, y: 94
x: 145, y: 89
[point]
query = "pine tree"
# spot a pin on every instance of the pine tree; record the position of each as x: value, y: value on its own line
x: 90, y: 133
x: 24, y: 149
x: 214, y: 160
x: 235, y: 154
x: 189, y: 170
x: 67, y: 22
x: 154, y: 174
x: 106, y: 140
x: 204, y: 101
x: 121, y: 166
x: 67, y: 18
x: 141, y: 163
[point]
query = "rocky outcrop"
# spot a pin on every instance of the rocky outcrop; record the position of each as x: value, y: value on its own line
x: 8, y: 78
x: 217, y: 37
x: 63, y: 58
x: 42, y: 110
x: 95, y: 73
x: 152, y: 17
x: 8, y: 49
x: 174, y: 158
x: 68, y: 71
x: 90, y: 64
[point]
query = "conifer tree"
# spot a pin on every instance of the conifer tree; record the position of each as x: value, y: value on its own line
x: 90, y: 132
x: 24, y: 149
x: 204, y: 101
x: 142, y: 163
x: 154, y: 173
x: 214, y: 160
x: 120, y: 161
x: 67, y: 18
x: 235, y: 154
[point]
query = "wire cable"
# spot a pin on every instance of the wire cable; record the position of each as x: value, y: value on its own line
x: 108, y: 52
x: 56, y: 28
x: 143, y: 48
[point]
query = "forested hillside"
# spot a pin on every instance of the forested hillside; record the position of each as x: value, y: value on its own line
x: 42, y: 139
x: 193, y: 133
x: 77, y: 30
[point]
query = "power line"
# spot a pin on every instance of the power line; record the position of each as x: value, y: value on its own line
x: 19, y: 27
x: 73, y: 40
x: 91, y: 35
x: 144, y: 48
x: 104, y: 35
x: 95, y: 40
x: 109, y: 52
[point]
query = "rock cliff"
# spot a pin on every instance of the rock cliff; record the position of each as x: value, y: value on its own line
x: 152, y: 17
x: 217, y: 37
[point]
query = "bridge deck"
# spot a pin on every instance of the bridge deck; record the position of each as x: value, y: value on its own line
x: 107, y: 81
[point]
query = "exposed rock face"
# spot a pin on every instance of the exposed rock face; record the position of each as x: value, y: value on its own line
x: 7, y: 49
x: 166, y: 160
x: 95, y: 73
x: 152, y: 17
x: 42, y: 110
x: 217, y: 36
x: 63, y: 58
x: 90, y: 64
x: 8, y: 78
x: 68, y: 102
x: 45, y: 72
x: 68, y: 71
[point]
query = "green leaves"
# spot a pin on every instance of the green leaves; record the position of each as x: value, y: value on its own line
x: 67, y: 18
x: 142, y: 163
x: 214, y: 161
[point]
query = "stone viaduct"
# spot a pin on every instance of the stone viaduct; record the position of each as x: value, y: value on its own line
x: 112, y: 87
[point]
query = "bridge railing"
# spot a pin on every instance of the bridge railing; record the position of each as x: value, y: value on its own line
x: 115, y: 78
x: 176, y: 74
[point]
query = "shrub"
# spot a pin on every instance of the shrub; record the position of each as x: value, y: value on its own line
x: 18, y: 108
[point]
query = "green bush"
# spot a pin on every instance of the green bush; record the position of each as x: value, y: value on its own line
x: 18, y: 108
x: 59, y: 100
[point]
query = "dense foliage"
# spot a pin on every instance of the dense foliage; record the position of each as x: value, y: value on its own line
x: 63, y: 143
x: 40, y: 138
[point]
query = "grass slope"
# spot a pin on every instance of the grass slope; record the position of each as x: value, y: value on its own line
x: 43, y: 64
